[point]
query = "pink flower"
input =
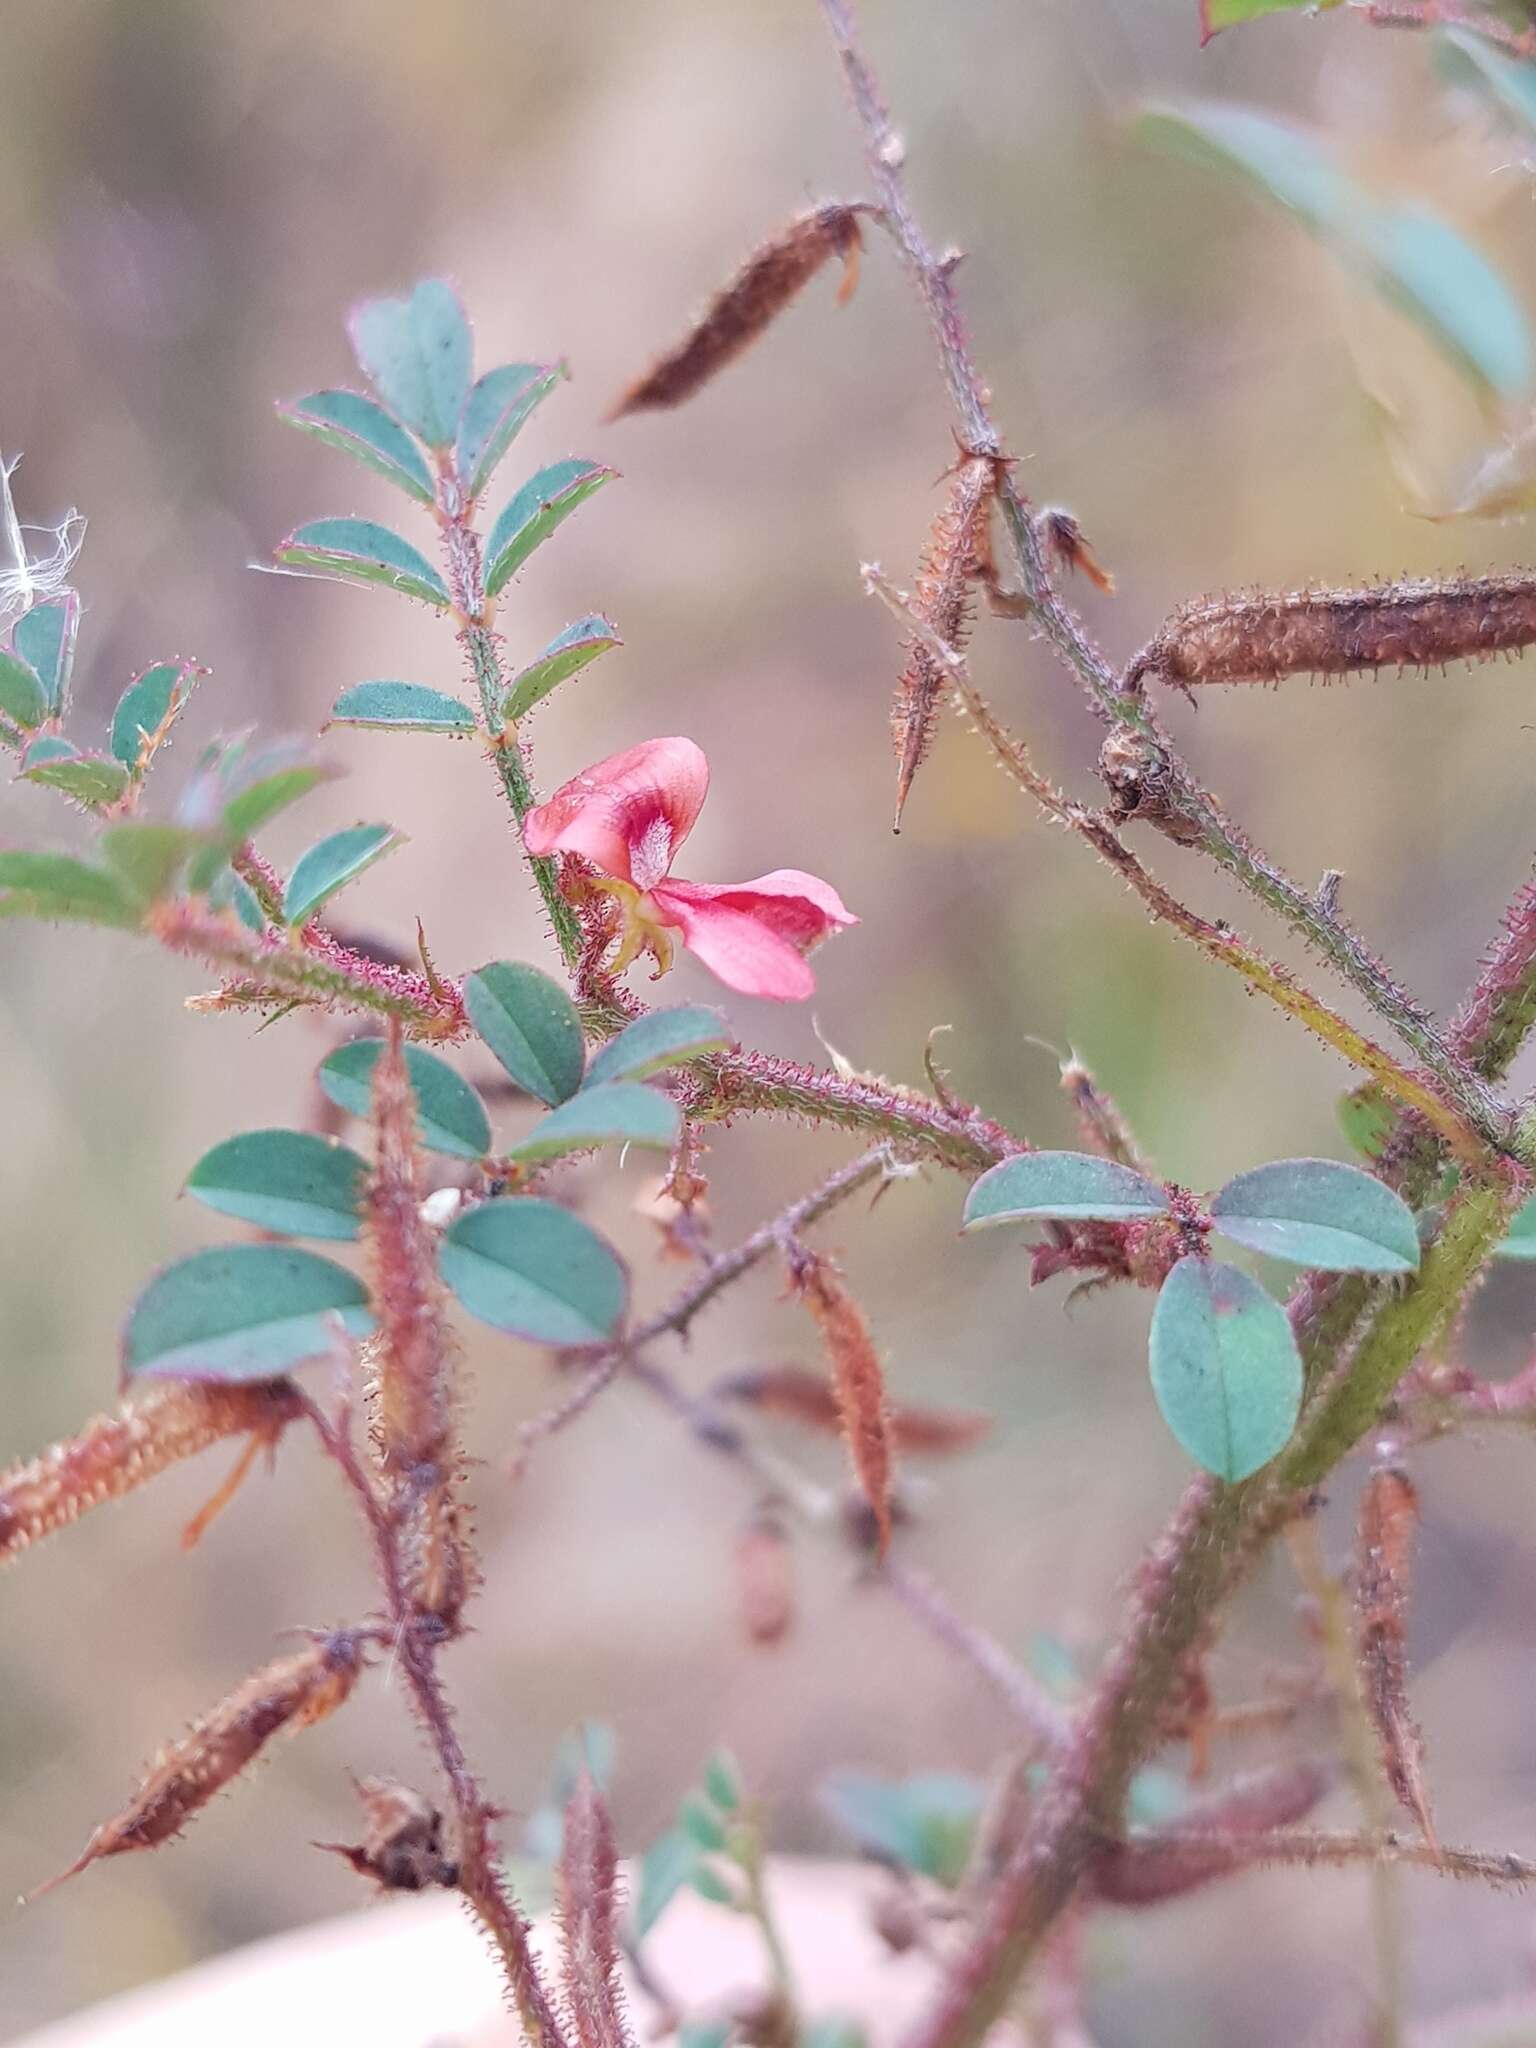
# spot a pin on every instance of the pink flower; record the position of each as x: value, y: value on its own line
x: 628, y: 816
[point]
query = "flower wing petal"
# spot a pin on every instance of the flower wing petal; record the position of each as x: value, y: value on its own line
x: 627, y: 815
x: 755, y: 935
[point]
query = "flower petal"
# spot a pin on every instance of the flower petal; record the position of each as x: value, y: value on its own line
x: 628, y: 815
x: 754, y: 935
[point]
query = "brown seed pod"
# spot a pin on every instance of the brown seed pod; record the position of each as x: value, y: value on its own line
x: 799, y: 1396
x: 115, y: 1454
x: 1268, y: 635
x: 1134, y: 772
x: 1389, y: 1520
x: 411, y: 1357
x: 289, y: 1694
x: 857, y: 1380
x: 734, y: 318
x: 954, y: 558
x: 402, y: 1846
x: 765, y: 1579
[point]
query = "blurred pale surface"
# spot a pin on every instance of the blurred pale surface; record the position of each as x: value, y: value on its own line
x: 190, y: 196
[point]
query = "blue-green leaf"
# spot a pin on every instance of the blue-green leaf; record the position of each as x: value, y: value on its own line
x: 91, y: 779
x: 450, y: 1115
x: 923, y: 1823
x: 231, y: 891
x: 1317, y: 1212
x: 1509, y: 82
x: 494, y: 414
x: 146, y: 857
x: 359, y: 428
x: 401, y: 707
x: 332, y: 863
x: 416, y: 353
x: 701, y: 1824
x: 23, y: 699
x: 544, y: 503
x: 1520, y: 1240
x: 530, y: 1024
x: 147, y: 707
x: 1411, y: 256
x: 56, y: 886
x: 665, y: 1868
x: 243, y: 1312
x: 1225, y: 1368
x: 45, y: 639
x: 536, y: 1271
x: 612, y: 1113
x: 722, y: 1780
x: 1071, y: 1186
x: 657, y: 1041
x: 565, y: 654
x: 361, y: 551
x: 293, y: 1182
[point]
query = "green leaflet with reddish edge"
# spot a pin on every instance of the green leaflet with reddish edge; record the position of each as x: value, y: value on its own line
x: 535, y: 1271
x: 530, y: 1024
x: 565, y: 654
x: 450, y: 1115
x: 544, y: 503
x: 56, y: 886
x: 365, y: 431
x: 1070, y: 1186
x: 150, y: 701
x: 384, y: 706
x: 1411, y: 256
x: 1225, y: 1368
x: 293, y: 1182
x: 416, y: 353
x: 243, y: 1312
x: 23, y: 699
x: 1319, y: 1213
x: 494, y: 414
x: 362, y: 551
x: 91, y: 779
x: 612, y: 1113
x: 332, y: 863
x: 44, y: 637
x: 660, y: 1039
x: 1215, y: 15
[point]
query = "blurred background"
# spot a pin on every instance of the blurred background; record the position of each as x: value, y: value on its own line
x: 190, y: 197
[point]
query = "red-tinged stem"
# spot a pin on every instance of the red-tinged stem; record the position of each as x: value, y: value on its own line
x: 1322, y: 1849
x: 1428, y: 14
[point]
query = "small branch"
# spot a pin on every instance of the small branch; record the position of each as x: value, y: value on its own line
x: 1324, y: 1849
x: 1023, y: 1695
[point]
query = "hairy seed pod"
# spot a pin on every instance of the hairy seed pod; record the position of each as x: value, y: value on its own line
x: 289, y: 1694
x: 1389, y: 1519
x: 804, y: 1397
x: 1268, y: 635
x: 1218, y: 1836
x: 954, y: 557
x: 402, y: 1846
x: 734, y: 318
x: 857, y: 1380
x: 765, y: 1579
x: 588, y: 1906
x: 117, y: 1453
x: 411, y: 1357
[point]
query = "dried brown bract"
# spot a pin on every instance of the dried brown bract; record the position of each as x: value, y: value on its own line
x: 1136, y: 775
x: 1069, y: 548
x: 1268, y: 635
x: 1389, y: 1520
x: 115, y: 1454
x: 289, y: 1694
x: 734, y: 318
x: 588, y: 1904
x: 857, y: 1380
x: 1104, y: 1130
x: 402, y: 1849
x: 794, y: 1394
x: 953, y: 561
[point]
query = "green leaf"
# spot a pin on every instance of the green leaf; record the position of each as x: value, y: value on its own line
x: 91, y: 779
x: 243, y: 1312
x: 1225, y: 1368
x: 57, y: 886
x: 1072, y: 1186
x: 147, y: 706
x: 700, y: 1823
x: 494, y: 414
x: 402, y: 707
x: 416, y: 353
x: 536, y: 1271
x: 1511, y: 84
x: 662, y: 1039
x: 45, y: 639
x: 530, y: 1024
x: 1316, y: 1212
x: 1520, y: 1242
x: 231, y: 891
x: 234, y: 796
x: 545, y: 502
x: 565, y: 654
x: 1367, y: 1118
x: 259, y: 804
x: 708, y: 2034
x: 22, y: 697
x: 1412, y: 257
x: 709, y: 1884
x: 837, y: 2031
x: 450, y: 1115
x: 722, y: 1781
x: 362, y: 551
x: 1215, y: 15
x: 147, y: 858
x: 612, y: 1113
x: 333, y: 862
x: 363, y: 430
x: 292, y: 1182
x: 665, y: 1868
x: 924, y: 1822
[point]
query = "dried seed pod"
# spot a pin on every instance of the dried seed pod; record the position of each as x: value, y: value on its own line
x: 588, y: 1904
x: 289, y: 1694
x: 799, y: 1396
x: 1069, y: 548
x: 1222, y: 1834
x: 771, y: 276
x: 857, y: 1379
x: 1135, y: 773
x: 402, y: 1849
x: 411, y: 1357
x: 1389, y: 1519
x: 1104, y: 1129
x: 951, y: 564
x: 115, y: 1454
x: 765, y: 1579
x: 1268, y: 635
